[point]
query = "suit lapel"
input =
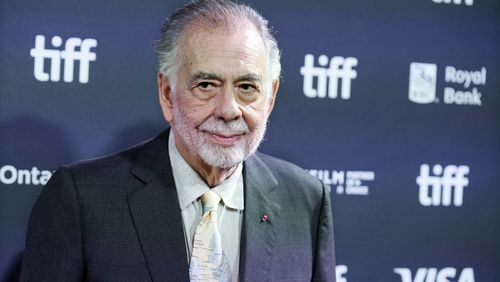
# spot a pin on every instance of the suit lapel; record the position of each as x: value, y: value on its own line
x: 258, y: 235
x: 156, y: 213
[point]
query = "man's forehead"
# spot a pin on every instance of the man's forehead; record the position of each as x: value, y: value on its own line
x: 238, y: 52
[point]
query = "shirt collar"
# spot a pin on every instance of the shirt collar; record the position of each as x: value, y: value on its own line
x: 190, y: 186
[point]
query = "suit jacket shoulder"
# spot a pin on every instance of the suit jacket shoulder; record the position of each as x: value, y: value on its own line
x: 287, y: 171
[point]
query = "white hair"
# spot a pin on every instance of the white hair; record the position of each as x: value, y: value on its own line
x: 212, y: 15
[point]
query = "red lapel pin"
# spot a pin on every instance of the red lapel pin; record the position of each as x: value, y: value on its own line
x: 264, y: 218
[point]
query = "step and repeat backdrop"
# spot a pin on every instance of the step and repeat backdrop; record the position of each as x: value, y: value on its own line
x: 394, y: 104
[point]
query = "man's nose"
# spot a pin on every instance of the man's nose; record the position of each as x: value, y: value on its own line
x: 227, y: 107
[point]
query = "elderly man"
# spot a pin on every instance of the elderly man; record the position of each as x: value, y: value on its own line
x: 195, y: 203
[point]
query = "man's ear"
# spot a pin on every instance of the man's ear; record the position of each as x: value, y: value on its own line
x: 165, y: 96
x: 272, y: 99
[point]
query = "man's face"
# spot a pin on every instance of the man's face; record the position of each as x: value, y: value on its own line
x: 222, y: 98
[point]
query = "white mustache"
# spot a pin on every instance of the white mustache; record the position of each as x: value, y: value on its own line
x: 212, y: 125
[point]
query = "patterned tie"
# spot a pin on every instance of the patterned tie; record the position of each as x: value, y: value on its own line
x: 208, y: 263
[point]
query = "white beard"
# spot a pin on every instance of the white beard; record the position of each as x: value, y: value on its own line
x: 215, y: 155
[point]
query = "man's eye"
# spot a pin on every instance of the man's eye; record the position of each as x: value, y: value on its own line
x: 247, y: 87
x: 204, y: 85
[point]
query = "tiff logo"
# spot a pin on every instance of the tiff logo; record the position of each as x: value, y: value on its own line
x: 70, y: 54
x: 442, y: 185
x: 329, y: 73
x: 456, y: 2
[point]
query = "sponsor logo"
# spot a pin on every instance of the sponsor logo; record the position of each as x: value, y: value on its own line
x: 456, y: 2
x: 11, y: 175
x: 348, y: 182
x: 329, y: 76
x: 447, y: 183
x: 466, y: 78
x: 422, y: 83
x: 340, y: 272
x: 69, y: 55
x: 461, y: 86
x: 447, y: 274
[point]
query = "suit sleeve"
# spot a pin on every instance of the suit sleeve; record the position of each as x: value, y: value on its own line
x: 324, y: 266
x: 54, y: 241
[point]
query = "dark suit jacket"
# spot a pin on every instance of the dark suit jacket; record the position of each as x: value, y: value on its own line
x: 118, y: 219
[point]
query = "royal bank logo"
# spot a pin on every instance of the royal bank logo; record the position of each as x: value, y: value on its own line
x: 346, y: 182
x: 445, y: 187
x: 456, y: 2
x: 76, y: 50
x: 423, y: 79
x: 329, y: 77
x: 9, y: 174
x: 447, y: 274
x: 462, y: 87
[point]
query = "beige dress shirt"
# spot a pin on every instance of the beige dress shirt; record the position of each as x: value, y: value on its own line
x: 190, y: 186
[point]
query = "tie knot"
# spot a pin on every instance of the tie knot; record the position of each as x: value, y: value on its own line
x: 210, y: 201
